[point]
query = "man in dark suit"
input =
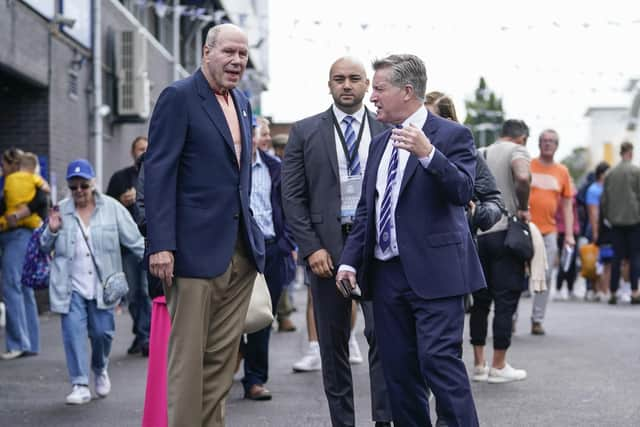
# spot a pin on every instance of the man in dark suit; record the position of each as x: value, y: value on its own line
x: 279, y: 270
x: 411, y: 249
x: 321, y: 177
x: 197, y: 185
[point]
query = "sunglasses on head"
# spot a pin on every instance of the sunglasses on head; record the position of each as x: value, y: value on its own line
x: 83, y: 186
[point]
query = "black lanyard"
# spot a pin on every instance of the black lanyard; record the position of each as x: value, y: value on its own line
x: 350, y: 159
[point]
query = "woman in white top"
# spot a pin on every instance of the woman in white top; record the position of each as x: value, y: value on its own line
x: 88, y: 223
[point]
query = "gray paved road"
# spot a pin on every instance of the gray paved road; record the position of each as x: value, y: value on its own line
x: 585, y: 372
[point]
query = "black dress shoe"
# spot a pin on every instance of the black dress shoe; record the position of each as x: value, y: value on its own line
x: 135, y: 348
x: 383, y: 424
x: 144, y: 349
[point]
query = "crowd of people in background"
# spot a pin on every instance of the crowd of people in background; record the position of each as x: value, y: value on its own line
x: 319, y: 206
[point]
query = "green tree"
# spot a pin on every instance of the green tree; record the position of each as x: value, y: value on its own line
x: 577, y: 162
x: 484, y: 115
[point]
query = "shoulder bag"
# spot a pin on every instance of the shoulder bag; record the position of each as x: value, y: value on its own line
x: 115, y: 286
x: 260, y: 313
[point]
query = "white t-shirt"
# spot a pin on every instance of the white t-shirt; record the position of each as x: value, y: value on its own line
x: 84, y: 279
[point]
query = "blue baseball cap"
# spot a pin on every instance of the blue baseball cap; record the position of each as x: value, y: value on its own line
x: 80, y: 168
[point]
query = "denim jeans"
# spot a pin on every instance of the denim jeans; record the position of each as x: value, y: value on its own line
x: 138, y: 297
x: 22, y: 329
x: 85, y: 320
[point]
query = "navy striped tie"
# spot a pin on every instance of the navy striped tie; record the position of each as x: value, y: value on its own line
x: 384, y: 228
x: 353, y: 162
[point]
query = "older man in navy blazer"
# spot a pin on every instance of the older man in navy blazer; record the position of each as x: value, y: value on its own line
x: 411, y: 248
x: 200, y: 228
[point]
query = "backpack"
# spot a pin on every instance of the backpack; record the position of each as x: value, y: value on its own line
x: 37, y: 264
x: 581, y: 202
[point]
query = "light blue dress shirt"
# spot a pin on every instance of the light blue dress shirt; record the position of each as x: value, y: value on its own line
x: 260, y: 201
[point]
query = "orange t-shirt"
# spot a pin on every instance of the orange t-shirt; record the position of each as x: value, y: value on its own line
x: 549, y: 183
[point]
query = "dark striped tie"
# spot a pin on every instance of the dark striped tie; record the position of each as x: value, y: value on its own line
x: 384, y: 229
x: 353, y: 162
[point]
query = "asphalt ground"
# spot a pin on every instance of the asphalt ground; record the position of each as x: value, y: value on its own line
x: 584, y: 372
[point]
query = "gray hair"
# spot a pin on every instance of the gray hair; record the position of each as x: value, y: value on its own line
x: 214, y: 32
x: 405, y: 70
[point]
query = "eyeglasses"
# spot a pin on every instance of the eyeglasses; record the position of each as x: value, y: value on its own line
x: 83, y: 186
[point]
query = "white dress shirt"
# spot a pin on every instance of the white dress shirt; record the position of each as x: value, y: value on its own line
x: 418, y: 119
x: 363, y: 148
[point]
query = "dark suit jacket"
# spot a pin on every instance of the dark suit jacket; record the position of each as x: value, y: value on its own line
x: 311, y: 184
x: 436, y: 249
x: 196, y: 196
x: 283, y: 232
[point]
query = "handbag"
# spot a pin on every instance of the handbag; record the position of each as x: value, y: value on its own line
x: 260, y: 313
x: 589, y: 260
x: 115, y: 286
x: 37, y: 263
x: 518, y: 239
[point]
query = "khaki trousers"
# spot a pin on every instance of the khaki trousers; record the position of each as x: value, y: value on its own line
x: 207, y: 320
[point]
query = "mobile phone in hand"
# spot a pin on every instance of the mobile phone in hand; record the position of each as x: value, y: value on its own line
x: 349, y: 292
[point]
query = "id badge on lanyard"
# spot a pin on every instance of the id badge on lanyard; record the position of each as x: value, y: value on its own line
x: 350, y: 187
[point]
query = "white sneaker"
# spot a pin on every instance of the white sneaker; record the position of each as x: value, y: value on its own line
x: 355, y: 357
x: 311, y: 361
x: 3, y: 315
x: 561, y: 295
x: 506, y: 374
x: 12, y: 354
x: 480, y: 373
x: 79, y: 395
x: 103, y: 384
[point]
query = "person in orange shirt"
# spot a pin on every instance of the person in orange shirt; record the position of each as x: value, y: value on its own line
x: 550, y: 186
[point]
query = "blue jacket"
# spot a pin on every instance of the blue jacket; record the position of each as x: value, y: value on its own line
x: 435, y: 245
x: 111, y: 226
x: 196, y: 196
x: 283, y: 232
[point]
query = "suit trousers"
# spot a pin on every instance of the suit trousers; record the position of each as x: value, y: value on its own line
x: 333, y: 322
x: 420, y: 342
x: 207, y: 320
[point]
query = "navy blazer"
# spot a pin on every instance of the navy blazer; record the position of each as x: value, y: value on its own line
x: 283, y: 233
x: 284, y: 237
x: 436, y: 248
x: 196, y: 196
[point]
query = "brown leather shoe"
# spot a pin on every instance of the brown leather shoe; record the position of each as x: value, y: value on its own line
x: 537, y: 329
x: 286, y: 325
x: 258, y: 392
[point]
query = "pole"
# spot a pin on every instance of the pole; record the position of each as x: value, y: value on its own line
x: 97, y: 88
x: 176, y: 38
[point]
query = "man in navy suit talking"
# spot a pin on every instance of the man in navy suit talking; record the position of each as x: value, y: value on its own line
x: 410, y: 248
x: 203, y: 242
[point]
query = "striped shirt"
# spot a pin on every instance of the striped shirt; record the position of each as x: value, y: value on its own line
x: 261, y: 197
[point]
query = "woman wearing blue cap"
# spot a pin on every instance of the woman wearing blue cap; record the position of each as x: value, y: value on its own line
x: 85, y: 232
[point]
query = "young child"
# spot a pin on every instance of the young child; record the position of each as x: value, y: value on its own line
x: 20, y: 188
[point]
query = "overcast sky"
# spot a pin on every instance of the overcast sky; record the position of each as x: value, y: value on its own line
x: 548, y: 61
